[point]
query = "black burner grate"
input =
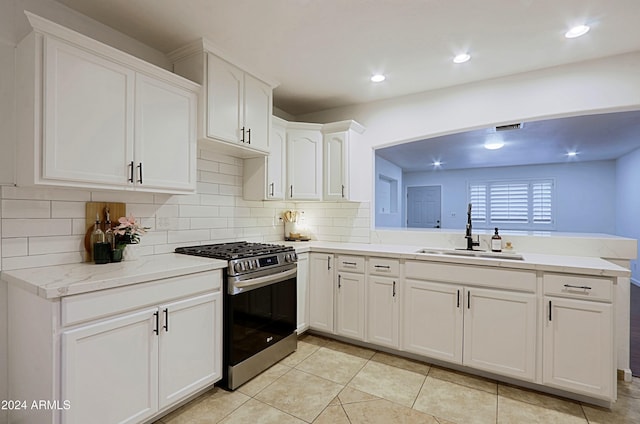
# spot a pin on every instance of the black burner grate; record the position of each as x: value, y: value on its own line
x: 233, y: 250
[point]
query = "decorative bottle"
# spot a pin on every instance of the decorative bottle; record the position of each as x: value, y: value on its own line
x: 496, y: 242
x: 100, y: 249
x: 109, y: 235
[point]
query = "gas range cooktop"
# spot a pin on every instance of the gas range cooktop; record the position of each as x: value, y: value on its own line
x: 234, y: 250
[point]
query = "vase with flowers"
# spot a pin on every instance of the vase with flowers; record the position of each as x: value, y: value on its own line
x: 127, y: 237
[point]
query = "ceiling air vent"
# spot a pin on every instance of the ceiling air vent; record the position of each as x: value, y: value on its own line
x: 509, y: 127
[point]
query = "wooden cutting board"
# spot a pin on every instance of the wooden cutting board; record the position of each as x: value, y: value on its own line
x: 116, y: 210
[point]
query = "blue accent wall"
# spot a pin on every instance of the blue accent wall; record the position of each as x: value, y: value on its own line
x: 628, y: 201
x: 585, y: 192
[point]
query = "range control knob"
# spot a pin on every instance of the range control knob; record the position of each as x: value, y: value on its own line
x: 239, y: 267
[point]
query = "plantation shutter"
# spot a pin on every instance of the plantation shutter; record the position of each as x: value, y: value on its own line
x: 478, y: 200
x: 542, y: 202
x: 509, y: 203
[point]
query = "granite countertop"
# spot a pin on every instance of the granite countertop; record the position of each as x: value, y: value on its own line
x: 531, y: 261
x: 64, y: 280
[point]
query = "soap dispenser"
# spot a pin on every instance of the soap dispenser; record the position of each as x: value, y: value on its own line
x: 496, y: 242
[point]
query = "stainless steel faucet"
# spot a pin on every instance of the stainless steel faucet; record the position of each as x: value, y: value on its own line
x: 468, y: 235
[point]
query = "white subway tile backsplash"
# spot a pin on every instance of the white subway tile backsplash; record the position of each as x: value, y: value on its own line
x: 15, y: 247
x: 42, y: 227
x: 26, y: 209
x: 68, y: 209
x: 57, y: 244
x: 35, y: 227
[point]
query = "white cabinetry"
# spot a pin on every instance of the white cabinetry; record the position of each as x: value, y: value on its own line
x: 264, y: 177
x: 488, y: 329
x: 119, y: 355
x: 350, y: 299
x: 303, y: 293
x: 340, y: 171
x: 236, y: 105
x: 92, y: 116
x: 304, y: 162
x: 321, y: 283
x: 383, y: 300
x: 579, y: 335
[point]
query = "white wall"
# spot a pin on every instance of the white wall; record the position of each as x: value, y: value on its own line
x: 628, y: 202
x: 389, y: 170
x: 579, y: 186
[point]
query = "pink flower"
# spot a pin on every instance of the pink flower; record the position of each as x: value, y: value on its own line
x: 129, y: 227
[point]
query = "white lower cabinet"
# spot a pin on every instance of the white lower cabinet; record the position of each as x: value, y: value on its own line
x: 578, y: 335
x: 350, y: 305
x: 121, y: 355
x: 127, y: 349
x: 486, y: 329
x: 383, y: 311
x: 143, y: 361
x: 303, y: 293
x: 321, y: 276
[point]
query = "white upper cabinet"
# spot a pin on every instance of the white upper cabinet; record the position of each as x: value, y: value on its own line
x: 94, y: 117
x: 341, y: 174
x: 304, y: 163
x: 236, y: 106
x: 264, y: 177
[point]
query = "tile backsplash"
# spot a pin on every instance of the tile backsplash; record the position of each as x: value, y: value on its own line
x: 46, y: 226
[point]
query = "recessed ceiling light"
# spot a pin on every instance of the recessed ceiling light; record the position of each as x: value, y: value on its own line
x: 378, y: 78
x: 437, y: 163
x: 577, y: 31
x: 493, y: 144
x: 572, y: 154
x: 461, y: 58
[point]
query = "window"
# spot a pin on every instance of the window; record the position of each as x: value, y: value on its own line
x: 513, y: 204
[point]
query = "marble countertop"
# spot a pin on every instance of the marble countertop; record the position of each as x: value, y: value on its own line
x: 64, y: 280
x: 531, y: 261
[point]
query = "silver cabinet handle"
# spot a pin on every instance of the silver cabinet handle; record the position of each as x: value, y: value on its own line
x: 569, y: 286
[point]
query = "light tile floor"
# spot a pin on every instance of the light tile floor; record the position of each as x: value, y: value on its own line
x: 329, y: 382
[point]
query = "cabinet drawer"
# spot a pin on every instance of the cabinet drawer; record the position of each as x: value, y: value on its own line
x: 350, y: 263
x: 578, y: 286
x: 103, y: 303
x: 383, y: 266
x: 510, y: 279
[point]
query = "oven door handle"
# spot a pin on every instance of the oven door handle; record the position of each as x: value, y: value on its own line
x: 255, y: 283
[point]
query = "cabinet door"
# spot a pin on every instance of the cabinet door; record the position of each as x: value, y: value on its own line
x: 350, y: 305
x: 383, y: 312
x: 321, y: 277
x: 190, y: 346
x: 257, y: 113
x: 88, y: 117
x: 165, y: 149
x: 276, y: 163
x: 303, y: 292
x: 433, y: 317
x: 110, y: 370
x: 578, y: 346
x: 224, y: 100
x: 304, y: 165
x: 335, y: 166
x: 500, y: 332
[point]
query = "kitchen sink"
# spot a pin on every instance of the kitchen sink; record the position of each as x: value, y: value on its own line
x: 473, y: 253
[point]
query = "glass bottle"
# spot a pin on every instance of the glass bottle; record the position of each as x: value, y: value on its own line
x: 496, y: 242
x: 109, y: 235
x: 100, y: 249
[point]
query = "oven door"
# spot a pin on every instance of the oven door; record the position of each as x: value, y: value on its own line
x: 260, y: 312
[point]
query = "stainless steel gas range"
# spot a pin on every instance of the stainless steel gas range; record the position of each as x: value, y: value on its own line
x: 259, y: 305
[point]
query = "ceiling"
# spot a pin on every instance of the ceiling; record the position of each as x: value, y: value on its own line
x: 322, y: 52
x: 593, y: 137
